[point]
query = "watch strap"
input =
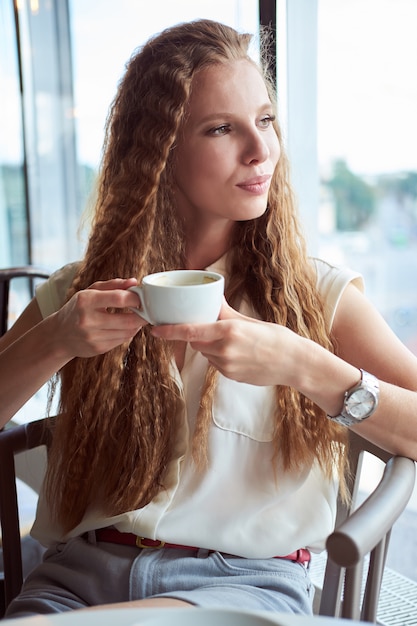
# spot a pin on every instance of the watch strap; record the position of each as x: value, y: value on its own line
x: 371, y: 384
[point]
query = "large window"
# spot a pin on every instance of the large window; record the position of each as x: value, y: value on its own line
x: 367, y: 133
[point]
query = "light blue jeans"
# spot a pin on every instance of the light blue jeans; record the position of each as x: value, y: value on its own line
x: 84, y: 573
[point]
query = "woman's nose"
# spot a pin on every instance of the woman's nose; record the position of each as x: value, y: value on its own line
x: 256, y: 147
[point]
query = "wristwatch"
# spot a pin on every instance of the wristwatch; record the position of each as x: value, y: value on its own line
x: 359, y: 402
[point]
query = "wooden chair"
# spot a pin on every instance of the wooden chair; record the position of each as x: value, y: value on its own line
x: 29, y: 272
x: 362, y: 532
x: 16, y: 442
x: 25, y: 276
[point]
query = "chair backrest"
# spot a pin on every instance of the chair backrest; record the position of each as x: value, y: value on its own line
x: 15, y: 440
x: 359, y: 533
x: 6, y: 276
x: 30, y: 274
x: 358, y: 547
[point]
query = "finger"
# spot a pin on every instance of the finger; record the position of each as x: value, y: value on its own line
x: 229, y: 313
x: 189, y: 332
x: 123, y: 321
x: 114, y: 283
x: 108, y: 298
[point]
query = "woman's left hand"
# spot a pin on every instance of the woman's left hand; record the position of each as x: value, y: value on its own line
x: 260, y: 353
x: 240, y: 347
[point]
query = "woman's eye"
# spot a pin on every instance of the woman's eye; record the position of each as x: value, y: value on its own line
x: 220, y: 130
x: 266, y: 121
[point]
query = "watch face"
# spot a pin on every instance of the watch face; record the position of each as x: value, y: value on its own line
x: 361, y: 403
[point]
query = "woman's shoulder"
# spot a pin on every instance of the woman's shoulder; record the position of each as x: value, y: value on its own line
x: 329, y: 274
x: 331, y: 281
x: 51, y: 294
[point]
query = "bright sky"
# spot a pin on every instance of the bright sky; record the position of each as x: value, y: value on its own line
x: 367, y: 96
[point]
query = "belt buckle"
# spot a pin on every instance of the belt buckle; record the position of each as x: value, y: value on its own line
x: 158, y: 544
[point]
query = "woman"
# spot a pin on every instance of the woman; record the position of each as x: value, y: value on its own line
x: 211, y: 442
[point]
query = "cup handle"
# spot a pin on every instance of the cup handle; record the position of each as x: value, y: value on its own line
x: 143, y: 312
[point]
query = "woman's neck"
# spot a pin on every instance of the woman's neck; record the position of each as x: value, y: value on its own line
x: 204, y: 248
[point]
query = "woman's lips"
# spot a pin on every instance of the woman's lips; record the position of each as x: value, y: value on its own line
x: 256, y: 185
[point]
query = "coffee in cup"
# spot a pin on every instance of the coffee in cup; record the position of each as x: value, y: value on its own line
x: 180, y: 297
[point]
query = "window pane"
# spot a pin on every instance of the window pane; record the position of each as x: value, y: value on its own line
x: 367, y: 133
x: 13, y: 222
x: 49, y: 131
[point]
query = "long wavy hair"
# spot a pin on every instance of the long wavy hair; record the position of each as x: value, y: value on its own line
x: 112, y: 441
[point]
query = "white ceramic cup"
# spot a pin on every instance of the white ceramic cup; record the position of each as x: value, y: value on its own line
x: 180, y: 297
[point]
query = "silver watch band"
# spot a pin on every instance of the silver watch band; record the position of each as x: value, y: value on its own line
x: 369, y: 385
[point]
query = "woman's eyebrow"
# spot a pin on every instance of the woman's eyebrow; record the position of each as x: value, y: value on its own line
x: 211, y: 117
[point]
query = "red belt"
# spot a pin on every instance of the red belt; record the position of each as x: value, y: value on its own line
x: 111, y: 535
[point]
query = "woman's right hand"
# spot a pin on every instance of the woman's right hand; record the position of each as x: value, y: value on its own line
x: 87, y: 325
x: 34, y: 349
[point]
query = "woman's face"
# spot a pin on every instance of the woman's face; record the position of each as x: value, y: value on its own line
x: 228, y: 148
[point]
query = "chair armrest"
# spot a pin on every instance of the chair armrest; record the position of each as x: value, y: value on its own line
x: 367, y: 526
